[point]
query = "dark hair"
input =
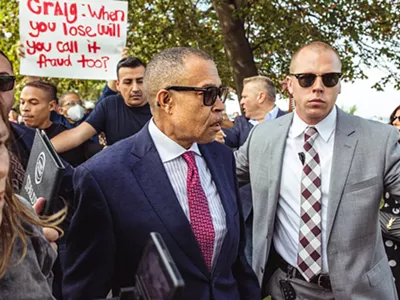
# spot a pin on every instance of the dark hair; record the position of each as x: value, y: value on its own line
x: 49, y: 88
x: 393, y: 115
x: 129, y: 62
x: 6, y: 57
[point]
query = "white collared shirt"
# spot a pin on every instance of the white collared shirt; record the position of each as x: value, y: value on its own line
x: 176, y: 168
x: 286, y: 234
x: 271, y: 115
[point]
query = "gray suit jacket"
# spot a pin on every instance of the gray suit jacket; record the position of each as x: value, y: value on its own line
x: 366, y: 160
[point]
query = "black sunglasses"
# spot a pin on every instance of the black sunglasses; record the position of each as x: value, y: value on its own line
x: 395, y: 118
x: 6, y: 83
x: 210, y: 93
x: 307, y: 79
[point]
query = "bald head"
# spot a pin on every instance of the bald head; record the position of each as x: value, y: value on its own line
x: 167, y: 68
x: 318, y: 47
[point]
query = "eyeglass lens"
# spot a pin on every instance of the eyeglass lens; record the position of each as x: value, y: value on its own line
x: 212, y: 93
x: 6, y: 83
x: 328, y: 79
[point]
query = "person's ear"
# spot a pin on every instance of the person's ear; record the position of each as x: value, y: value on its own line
x: 52, y: 105
x: 289, y: 82
x: 117, y: 85
x: 164, y: 100
x: 261, y: 98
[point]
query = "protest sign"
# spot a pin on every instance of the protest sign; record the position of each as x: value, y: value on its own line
x: 80, y: 39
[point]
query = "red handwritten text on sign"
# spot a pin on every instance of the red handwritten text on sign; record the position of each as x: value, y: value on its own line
x: 62, y: 33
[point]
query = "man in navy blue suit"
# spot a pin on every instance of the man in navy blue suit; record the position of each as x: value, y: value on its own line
x: 258, y: 102
x: 170, y: 178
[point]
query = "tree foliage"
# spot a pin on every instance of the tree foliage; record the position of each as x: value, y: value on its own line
x: 352, y: 110
x: 365, y: 32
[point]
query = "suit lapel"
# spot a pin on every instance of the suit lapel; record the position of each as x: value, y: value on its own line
x: 216, y: 165
x: 273, y: 150
x: 153, y: 179
x: 343, y: 152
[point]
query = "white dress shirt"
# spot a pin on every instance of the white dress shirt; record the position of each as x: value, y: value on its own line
x: 271, y: 115
x: 287, y: 226
x: 176, y: 168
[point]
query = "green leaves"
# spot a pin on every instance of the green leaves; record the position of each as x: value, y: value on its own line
x: 365, y: 32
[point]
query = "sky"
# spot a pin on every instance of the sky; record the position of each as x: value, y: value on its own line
x: 371, y: 104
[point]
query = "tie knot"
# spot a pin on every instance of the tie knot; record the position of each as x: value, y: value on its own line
x: 189, y: 157
x: 310, y: 132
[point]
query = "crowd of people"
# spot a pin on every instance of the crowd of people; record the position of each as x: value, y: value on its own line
x: 276, y: 204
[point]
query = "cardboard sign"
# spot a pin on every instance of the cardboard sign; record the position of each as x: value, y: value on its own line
x: 80, y: 39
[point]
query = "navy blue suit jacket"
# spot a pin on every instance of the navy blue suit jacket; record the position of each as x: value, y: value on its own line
x: 235, y: 137
x: 124, y: 194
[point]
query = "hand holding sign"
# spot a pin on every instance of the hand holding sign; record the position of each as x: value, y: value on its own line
x: 72, y: 39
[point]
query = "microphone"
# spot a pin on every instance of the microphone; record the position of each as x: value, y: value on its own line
x: 302, y: 157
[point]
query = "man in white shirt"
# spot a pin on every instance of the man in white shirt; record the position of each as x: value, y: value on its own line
x: 317, y: 176
x: 171, y: 178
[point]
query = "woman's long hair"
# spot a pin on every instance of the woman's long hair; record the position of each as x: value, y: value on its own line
x: 15, y: 214
x: 393, y: 115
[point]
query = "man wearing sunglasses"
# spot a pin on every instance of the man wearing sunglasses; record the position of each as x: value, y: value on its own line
x: 172, y: 178
x: 118, y: 116
x: 317, y: 177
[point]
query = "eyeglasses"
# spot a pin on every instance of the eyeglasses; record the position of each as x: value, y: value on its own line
x: 307, y: 79
x: 395, y: 118
x: 69, y: 103
x: 7, y: 83
x: 210, y: 93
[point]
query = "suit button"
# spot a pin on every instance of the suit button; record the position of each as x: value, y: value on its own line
x: 262, y: 270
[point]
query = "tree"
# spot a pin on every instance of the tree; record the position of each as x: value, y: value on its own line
x: 247, y: 37
x: 352, y: 110
x: 237, y: 47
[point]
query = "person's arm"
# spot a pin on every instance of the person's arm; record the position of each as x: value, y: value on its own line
x: 72, y: 138
x: 90, y: 244
x: 108, y: 90
x: 112, y: 85
x: 232, y: 139
x: 242, y: 162
x: 91, y: 148
x: 392, y: 164
x: 247, y: 282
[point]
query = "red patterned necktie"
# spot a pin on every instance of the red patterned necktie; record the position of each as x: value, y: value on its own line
x: 200, y: 217
x: 309, y: 252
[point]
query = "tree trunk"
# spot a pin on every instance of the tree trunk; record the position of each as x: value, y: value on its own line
x: 237, y: 47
